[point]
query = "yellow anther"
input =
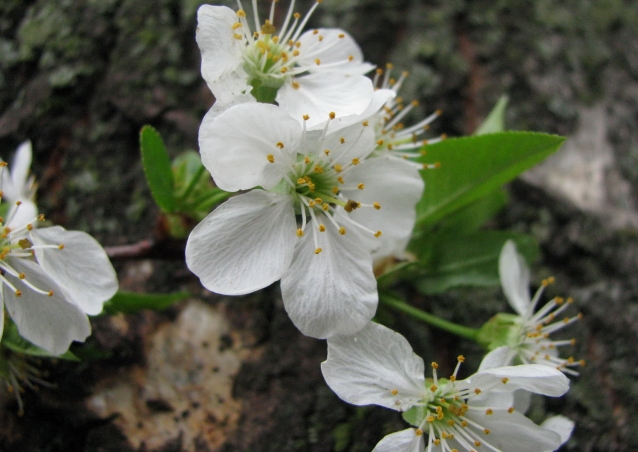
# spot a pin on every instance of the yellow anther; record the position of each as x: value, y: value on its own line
x: 335, y: 190
x: 570, y: 300
x: 430, y: 418
x: 379, y: 71
x: 505, y: 380
x: 394, y: 391
x: 236, y: 25
x: 440, y: 416
x: 299, y: 233
x: 295, y: 85
x: 41, y: 217
x: 325, y: 206
x: 361, y: 186
x: 322, y: 228
x: 301, y: 180
x: 365, y: 123
x: 438, y: 409
x: 29, y: 227
x: 376, y: 205
x: 270, y: 158
x: 318, y: 250
x: 22, y: 276
x: 389, y: 65
x: 314, y: 32
x: 341, y: 36
x: 464, y: 424
x: 378, y: 234
x: 237, y: 36
x: 3, y: 164
x: 510, y: 410
x: 326, y: 151
x: 342, y: 140
x: 50, y: 293
x: 317, y: 61
x: 477, y: 391
x: 350, y: 58
x: 320, y: 38
x: 451, y: 423
x: 268, y: 28
x: 338, y: 168
x: 460, y: 358
x: 452, y: 378
x: 318, y: 169
x: 297, y: 16
x: 433, y: 388
x: 295, y: 53
x: 311, y: 204
x: 486, y: 431
x: 340, y: 179
x: 241, y: 13
x: 306, y: 117
x: 355, y: 161
x: 380, y: 143
x: 418, y: 432
x: 332, y: 114
x: 306, y: 160
x: 318, y: 200
x: 489, y: 412
x: 18, y: 293
x: 436, y: 441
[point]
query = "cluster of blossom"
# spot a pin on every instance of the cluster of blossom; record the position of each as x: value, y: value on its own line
x: 323, y: 162
x: 50, y: 278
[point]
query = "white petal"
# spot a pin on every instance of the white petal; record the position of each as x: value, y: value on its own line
x: 403, y: 441
x: 222, y: 62
x: 219, y: 107
x: 536, y: 378
x: 561, y: 425
x: 366, y: 367
x: 514, y: 432
x: 499, y: 357
x: 379, y: 99
x: 522, y: 400
x: 320, y: 94
x: 20, y: 172
x: 1, y: 313
x: 236, y: 145
x: 333, y: 292
x: 358, y: 141
x: 82, y: 269
x: 26, y: 212
x: 397, y: 187
x: 336, y: 54
x: 514, y: 275
x: 49, y: 322
x: 245, y: 244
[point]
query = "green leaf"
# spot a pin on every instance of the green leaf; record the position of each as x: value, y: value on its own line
x: 495, y: 121
x: 157, y: 167
x: 469, y: 259
x: 131, y: 302
x: 12, y: 340
x: 472, y: 167
x: 471, y: 217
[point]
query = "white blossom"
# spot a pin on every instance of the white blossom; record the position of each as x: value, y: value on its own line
x: 314, y: 218
x: 312, y: 72
x: 377, y: 366
x: 50, y: 279
x: 531, y: 342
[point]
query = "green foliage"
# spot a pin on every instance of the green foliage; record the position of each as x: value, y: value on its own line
x: 157, y: 168
x: 468, y: 260
x: 472, y: 167
x: 12, y: 340
x: 502, y: 329
x: 131, y: 302
x: 495, y: 121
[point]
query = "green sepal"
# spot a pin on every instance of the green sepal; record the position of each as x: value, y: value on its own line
x: 495, y: 121
x: 12, y: 340
x: 472, y: 167
x: 502, y: 329
x: 415, y: 415
x: 132, y: 302
x: 157, y: 168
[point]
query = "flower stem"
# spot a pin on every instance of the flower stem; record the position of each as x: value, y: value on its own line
x: 451, y: 327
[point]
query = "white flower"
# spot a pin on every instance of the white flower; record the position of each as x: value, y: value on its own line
x: 50, y: 279
x: 314, y: 222
x: 310, y: 73
x: 17, y: 185
x: 530, y: 342
x: 377, y: 366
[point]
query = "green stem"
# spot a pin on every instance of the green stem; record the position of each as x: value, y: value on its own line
x: 451, y: 327
x: 193, y: 182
